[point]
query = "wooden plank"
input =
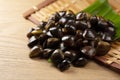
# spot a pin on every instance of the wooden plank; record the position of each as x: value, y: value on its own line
x: 14, y: 61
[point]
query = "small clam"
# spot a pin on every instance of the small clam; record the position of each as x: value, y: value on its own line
x: 62, y: 47
x: 82, y: 16
x: 42, y: 38
x: 80, y: 62
x: 29, y: 34
x: 79, y: 43
x: 93, y: 21
x: 101, y: 26
x: 102, y: 48
x: 70, y: 29
x: 110, y: 30
x: 79, y: 34
x: 56, y: 32
x: 81, y: 25
x: 62, y: 13
x: 71, y: 22
x: 47, y: 53
x: 70, y: 15
x: 42, y: 25
x: 55, y: 17
x: 57, y: 57
x: 89, y: 51
x: 110, y: 23
x: 70, y: 55
x: 37, y: 32
x: 89, y: 34
x: 64, y: 65
x: 63, y: 21
x: 68, y: 41
x: 52, y: 43
x: 49, y: 24
x: 36, y: 51
x: 32, y: 41
x: 107, y: 37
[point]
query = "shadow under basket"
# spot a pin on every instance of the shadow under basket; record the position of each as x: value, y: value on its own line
x: 43, y: 10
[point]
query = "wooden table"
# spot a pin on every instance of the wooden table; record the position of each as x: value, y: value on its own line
x: 14, y: 61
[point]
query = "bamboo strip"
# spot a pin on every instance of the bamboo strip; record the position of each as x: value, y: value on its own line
x: 55, y: 5
x: 118, y: 43
x: 115, y: 51
x: 36, y: 17
x: 34, y: 20
x: 111, y: 59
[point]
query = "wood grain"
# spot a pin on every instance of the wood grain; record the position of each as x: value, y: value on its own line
x: 14, y: 61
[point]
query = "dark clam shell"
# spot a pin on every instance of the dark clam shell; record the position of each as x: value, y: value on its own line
x: 64, y: 65
x: 42, y: 25
x: 36, y: 51
x: 68, y: 41
x: 101, y: 26
x: 80, y: 62
x: 81, y: 25
x: 70, y: 55
x: 56, y: 32
x: 70, y: 15
x: 63, y: 21
x: 89, y: 34
x: 29, y: 34
x: 49, y: 24
x: 57, y: 57
x: 62, y: 13
x: 51, y: 43
x: 82, y: 16
x: 107, y: 37
x: 70, y: 29
x: 89, y: 51
x: 47, y: 53
x: 32, y: 41
x: 55, y: 17
x: 42, y: 38
x: 102, y: 48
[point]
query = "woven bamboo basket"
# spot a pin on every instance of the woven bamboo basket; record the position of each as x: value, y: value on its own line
x: 43, y: 10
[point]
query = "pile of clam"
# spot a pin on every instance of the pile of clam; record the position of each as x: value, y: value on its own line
x: 67, y: 39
